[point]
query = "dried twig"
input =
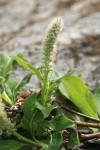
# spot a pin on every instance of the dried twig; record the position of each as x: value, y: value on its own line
x: 85, y: 137
x: 87, y: 124
x: 79, y: 114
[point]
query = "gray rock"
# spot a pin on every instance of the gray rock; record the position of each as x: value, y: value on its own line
x: 22, y: 24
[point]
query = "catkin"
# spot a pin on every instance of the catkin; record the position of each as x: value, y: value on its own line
x: 5, y: 123
x: 49, y: 42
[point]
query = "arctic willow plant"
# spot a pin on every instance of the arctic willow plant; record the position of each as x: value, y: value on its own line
x: 41, y: 119
x: 47, y: 76
x: 49, y: 52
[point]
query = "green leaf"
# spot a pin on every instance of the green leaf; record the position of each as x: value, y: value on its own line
x: 5, y: 59
x: 24, y: 81
x: 10, y: 86
x: 77, y: 92
x: 1, y: 89
x: 63, y: 90
x: 11, y: 145
x: 74, y: 139
x: 91, y: 100
x: 31, y: 110
x: 28, y: 126
x: 53, y: 87
x: 5, y: 64
x: 55, y: 141
x: 60, y: 122
x: 12, y: 83
x: 2, y: 79
x: 32, y: 114
x: 6, y: 98
x: 67, y: 75
x: 97, y: 98
x: 53, y: 76
x: 55, y: 80
x: 27, y: 66
x: 28, y: 106
x: 45, y: 110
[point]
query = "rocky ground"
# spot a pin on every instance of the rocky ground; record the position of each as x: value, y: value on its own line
x: 22, y: 24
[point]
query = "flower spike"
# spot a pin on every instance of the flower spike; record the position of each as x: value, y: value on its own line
x: 49, y: 42
x: 5, y: 123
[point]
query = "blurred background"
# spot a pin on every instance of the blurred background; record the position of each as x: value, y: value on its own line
x: 22, y: 26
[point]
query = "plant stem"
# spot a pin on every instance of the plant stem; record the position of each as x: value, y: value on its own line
x: 22, y: 138
x: 6, y: 98
x: 45, y: 84
x: 87, y: 124
x: 85, y: 137
x: 79, y: 114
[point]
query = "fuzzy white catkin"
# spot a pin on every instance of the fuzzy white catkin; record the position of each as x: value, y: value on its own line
x: 50, y: 40
x: 5, y: 123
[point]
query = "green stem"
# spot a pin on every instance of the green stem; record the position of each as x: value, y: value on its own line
x: 20, y: 137
x: 6, y: 98
x: 45, y: 87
